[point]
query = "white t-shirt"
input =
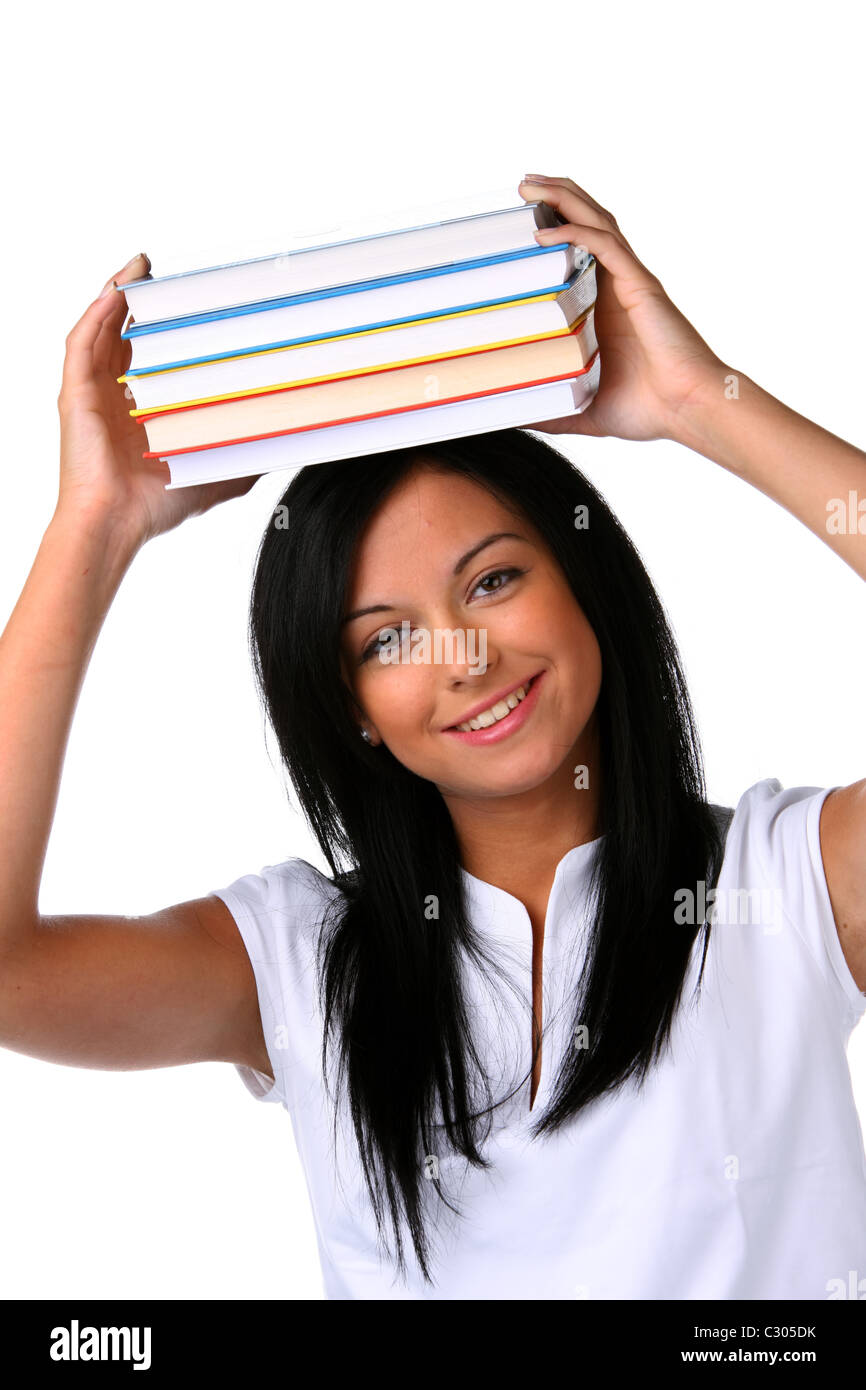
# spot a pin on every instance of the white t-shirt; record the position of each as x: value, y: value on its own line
x: 737, y: 1172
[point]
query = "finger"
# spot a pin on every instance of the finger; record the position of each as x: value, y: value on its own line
x: 577, y: 207
x: 111, y: 352
x: 567, y: 199
x: 609, y: 249
x: 105, y: 348
x: 122, y: 353
x: 82, y: 339
x: 574, y: 205
x: 110, y: 349
x: 119, y: 356
x: 543, y: 180
x: 137, y: 269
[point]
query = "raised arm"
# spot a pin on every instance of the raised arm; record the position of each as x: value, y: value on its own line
x: 99, y: 991
x: 661, y: 380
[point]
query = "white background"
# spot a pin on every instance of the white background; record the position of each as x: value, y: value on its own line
x: 727, y: 140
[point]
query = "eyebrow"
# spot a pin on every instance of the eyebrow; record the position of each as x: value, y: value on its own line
x: 460, y: 565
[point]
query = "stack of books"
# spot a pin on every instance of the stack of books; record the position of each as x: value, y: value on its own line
x: 332, y: 351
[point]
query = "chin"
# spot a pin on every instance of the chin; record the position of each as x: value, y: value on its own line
x: 504, y: 776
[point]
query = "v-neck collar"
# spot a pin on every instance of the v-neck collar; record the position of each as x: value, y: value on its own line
x: 506, y: 913
x: 502, y: 917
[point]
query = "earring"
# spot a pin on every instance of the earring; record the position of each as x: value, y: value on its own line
x: 366, y: 736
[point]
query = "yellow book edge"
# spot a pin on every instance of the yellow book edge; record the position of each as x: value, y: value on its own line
x: 363, y: 371
x: 358, y: 333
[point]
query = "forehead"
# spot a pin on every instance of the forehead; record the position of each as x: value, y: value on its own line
x: 425, y: 524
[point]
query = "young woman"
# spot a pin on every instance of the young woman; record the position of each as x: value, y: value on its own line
x: 553, y: 1026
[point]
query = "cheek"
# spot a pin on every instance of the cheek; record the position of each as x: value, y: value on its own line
x: 552, y: 624
x: 565, y: 633
x: 397, y: 698
x: 584, y: 667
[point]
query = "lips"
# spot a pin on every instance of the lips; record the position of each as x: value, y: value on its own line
x: 492, y: 735
x: 484, y: 705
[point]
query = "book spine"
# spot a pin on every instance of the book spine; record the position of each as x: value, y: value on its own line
x: 579, y: 296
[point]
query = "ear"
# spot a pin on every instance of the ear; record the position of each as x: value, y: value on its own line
x: 364, y: 727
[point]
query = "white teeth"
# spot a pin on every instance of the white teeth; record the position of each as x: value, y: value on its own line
x: 496, y: 712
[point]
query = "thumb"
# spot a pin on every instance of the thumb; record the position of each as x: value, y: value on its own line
x: 138, y: 268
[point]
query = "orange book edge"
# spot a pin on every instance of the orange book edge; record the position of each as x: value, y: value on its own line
x: 374, y: 415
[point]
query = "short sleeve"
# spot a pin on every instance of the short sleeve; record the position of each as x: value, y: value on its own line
x: 277, y: 912
x: 779, y: 828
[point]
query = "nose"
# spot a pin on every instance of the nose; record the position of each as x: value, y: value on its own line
x: 465, y: 653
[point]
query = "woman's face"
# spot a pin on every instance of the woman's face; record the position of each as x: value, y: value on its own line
x: 440, y: 556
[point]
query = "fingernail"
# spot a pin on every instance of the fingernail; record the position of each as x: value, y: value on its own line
x: 139, y: 256
x: 535, y: 178
x: 112, y: 285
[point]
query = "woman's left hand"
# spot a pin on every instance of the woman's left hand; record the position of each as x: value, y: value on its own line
x: 653, y: 362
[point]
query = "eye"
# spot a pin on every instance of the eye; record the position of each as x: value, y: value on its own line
x: 384, y: 635
x: 499, y: 579
x: 503, y: 575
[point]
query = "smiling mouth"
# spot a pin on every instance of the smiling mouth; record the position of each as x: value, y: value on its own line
x: 499, y: 710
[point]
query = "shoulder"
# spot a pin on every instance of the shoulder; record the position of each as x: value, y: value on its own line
x: 843, y: 849
x: 776, y: 828
x: 281, y: 905
x: 774, y: 848
x: 275, y: 917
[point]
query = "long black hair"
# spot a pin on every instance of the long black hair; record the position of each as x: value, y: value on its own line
x: 393, y: 997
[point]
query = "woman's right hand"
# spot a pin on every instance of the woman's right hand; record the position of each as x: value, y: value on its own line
x: 103, y: 475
